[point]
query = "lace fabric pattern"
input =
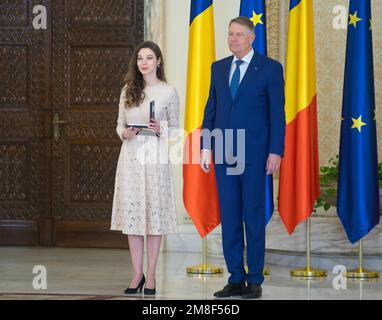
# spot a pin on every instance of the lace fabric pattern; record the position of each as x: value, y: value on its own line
x: 144, y: 201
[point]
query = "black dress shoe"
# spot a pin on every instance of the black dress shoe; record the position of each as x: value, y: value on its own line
x: 231, y: 290
x: 137, y: 289
x: 252, y: 291
x: 149, y: 292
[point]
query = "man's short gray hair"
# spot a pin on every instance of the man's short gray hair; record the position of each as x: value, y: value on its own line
x: 244, y: 21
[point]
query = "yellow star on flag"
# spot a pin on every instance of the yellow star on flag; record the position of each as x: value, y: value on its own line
x: 256, y: 18
x: 357, y: 123
x: 354, y: 19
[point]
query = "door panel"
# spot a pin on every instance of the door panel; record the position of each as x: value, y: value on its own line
x: 25, y: 111
x: 56, y: 186
x: 92, y: 44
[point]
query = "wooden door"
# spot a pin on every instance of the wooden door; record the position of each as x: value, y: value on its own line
x: 58, y: 110
x: 92, y: 43
x: 25, y: 122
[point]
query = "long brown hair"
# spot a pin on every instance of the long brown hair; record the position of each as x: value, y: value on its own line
x: 134, y: 80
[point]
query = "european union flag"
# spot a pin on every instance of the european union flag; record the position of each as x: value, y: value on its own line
x: 358, y: 193
x: 255, y: 10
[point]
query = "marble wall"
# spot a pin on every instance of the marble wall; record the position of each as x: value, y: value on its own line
x: 327, y: 237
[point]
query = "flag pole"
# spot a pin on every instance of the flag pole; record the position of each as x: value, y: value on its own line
x: 308, y: 271
x: 360, y: 272
x: 204, y: 268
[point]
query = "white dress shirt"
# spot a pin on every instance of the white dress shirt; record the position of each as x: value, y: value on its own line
x: 243, y: 67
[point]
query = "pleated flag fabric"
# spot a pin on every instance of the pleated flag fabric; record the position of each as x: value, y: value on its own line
x: 299, y: 173
x: 200, y: 195
x: 358, y: 192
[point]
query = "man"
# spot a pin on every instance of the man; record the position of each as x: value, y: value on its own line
x: 246, y: 92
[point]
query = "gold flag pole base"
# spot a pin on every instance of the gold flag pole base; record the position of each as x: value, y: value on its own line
x: 362, y: 274
x: 308, y: 273
x: 204, y: 269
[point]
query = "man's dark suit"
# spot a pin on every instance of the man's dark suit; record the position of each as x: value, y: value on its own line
x: 258, y: 107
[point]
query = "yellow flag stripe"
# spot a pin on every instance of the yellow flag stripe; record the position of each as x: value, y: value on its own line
x: 300, y: 78
x: 201, y: 54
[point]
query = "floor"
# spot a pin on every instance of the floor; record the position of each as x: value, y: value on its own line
x: 88, y: 274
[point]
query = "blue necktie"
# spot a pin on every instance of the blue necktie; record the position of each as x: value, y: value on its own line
x: 235, y: 81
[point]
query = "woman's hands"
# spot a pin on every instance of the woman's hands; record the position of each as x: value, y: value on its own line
x: 129, y: 133
x: 154, y: 125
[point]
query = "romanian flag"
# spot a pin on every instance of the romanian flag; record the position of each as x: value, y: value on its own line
x: 299, y: 173
x: 200, y: 195
x: 358, y: 191
x: 255, y: 11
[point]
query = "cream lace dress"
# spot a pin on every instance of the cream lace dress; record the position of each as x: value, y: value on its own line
x: 143, y: 200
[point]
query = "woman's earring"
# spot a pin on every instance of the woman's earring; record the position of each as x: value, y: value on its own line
x: 158, y: 66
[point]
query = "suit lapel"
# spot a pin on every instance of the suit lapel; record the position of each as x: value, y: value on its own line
x: 251, y: 73
x: 226, y: 72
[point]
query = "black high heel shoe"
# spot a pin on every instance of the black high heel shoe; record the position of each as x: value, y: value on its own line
x: 150, y: 292
x: 138, y: 289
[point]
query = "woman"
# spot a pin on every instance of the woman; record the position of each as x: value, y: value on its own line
x: 144, y: 196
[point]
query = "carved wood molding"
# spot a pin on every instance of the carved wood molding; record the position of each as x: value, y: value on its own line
x: 154, y: 21
x: 273, y: 28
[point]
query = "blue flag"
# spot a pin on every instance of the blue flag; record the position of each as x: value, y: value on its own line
x: 255, y: 10
x: 358, y: 193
